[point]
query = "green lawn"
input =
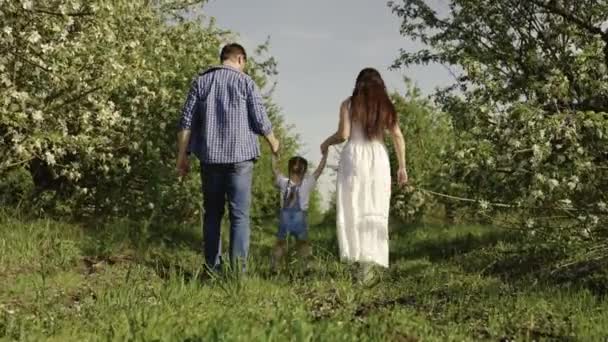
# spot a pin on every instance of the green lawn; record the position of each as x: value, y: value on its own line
x: 128, y: 282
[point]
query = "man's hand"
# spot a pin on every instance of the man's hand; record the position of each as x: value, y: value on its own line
x: 183, y: 165
x: 273, y: 142
x: 275, y: 147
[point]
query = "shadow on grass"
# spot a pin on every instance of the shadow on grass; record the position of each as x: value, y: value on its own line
x: 438, y: 243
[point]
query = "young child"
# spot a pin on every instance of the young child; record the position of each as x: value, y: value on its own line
x: 295, y: 192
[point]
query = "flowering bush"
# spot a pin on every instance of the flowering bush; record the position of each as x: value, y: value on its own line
x: 529, y: 109
x: 90, y: 95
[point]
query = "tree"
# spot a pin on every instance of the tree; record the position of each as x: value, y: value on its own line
x: 90, y: 95
x: 529, y: 105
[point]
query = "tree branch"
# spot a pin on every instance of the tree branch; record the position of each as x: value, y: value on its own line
x: 58, y: 14
x: 572, y: 18
x: 6, y: 167
x: 79, y: 97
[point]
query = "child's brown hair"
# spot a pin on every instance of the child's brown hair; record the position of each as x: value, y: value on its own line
x: 298, y: 166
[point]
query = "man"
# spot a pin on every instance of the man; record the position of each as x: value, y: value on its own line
x: 221, y: 119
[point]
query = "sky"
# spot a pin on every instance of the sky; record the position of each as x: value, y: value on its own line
x: 320, y: 46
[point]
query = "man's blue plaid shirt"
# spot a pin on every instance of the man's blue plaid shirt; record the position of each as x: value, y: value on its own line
x: 225, y: 112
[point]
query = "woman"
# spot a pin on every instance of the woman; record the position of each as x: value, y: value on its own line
x: 364, y: 176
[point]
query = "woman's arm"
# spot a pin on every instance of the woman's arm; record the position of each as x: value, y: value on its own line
x: 321, y: 167
x: 399, y: 143
x: 343, y: 131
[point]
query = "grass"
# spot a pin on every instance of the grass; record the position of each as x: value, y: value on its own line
x: 62, y: 282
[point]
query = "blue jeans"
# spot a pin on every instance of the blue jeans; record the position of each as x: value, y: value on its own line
x: 223, y: 182
x: 292, y: 221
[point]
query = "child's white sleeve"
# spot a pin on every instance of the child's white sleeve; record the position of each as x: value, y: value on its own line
x: 309, y: 183
x: 281, y: 181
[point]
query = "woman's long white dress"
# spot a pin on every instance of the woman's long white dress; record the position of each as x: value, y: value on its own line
x: 363, y: 199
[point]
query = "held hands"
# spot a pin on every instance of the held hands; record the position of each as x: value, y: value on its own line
x: 273, y: 143
x: 275, y: 146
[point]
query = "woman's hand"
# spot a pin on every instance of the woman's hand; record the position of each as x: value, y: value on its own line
x: 402, y: 178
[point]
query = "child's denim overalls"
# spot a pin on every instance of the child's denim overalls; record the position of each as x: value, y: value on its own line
x: 292, y: 219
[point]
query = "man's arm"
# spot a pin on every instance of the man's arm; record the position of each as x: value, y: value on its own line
x: 185, y: 124
x: 259, y: 118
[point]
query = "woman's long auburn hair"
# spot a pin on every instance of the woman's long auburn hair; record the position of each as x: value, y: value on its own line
x: 370, y: 104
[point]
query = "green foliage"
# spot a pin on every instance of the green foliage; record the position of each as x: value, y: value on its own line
x: 90, y: 97
x: 529, y: 108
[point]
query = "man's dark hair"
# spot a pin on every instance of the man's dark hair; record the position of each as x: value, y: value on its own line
x: 232, y: 50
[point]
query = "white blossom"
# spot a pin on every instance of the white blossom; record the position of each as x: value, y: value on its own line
x: 17, y: 138
x: 538, y: 194
x: 540, y: 177
x: 46, y: 48
x: 553, y: 183
x: 530, y: 223
x: 484, y: 205
x: 27, y: 4
x: 536, y: 150
x: 7, y: 30
x: 515, y: 143
x: 50, y: 158
x: 74, y: 175
x: 124, y: 161
x: 19, y: 149
x: 34, y: 37
x: 37, y: 116
x: 594, y: 220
